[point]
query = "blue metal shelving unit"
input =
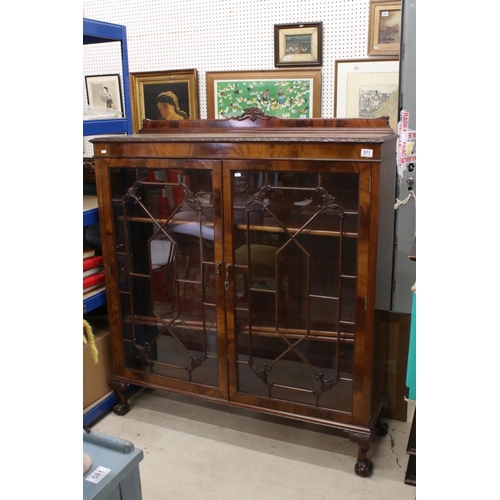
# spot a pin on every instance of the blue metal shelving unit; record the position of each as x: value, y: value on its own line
x: 103, y: 32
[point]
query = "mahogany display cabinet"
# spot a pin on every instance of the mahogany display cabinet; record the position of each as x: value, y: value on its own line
x: 247, y: 260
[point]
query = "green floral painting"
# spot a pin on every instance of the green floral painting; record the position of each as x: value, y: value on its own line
x: 283, y: 98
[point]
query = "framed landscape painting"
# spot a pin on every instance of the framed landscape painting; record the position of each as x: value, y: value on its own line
x: 384, y: 31
x: 285, y: 93
x: 367, y: 88
x: 298, y: 44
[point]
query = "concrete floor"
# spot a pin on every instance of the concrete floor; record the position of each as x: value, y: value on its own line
x: 200, y: 450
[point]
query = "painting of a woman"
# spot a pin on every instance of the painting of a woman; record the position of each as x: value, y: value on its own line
x: 167, y: 101
x: 168, y: 106
x: 165, y: 95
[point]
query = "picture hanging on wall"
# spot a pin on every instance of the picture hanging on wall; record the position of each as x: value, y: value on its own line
x: 164, y: 95
x: 104, y: 91
x: 285, y: 93
x: 298, y: 44
x: 384, y: 31
x: 367, y: 88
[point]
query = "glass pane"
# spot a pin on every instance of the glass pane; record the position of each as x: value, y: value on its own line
x: 303, y: 370
x: 119, y: 227
x: 123, y: 284
x: 167, y: 272
x: 127, y: 332
x: 121, y: 180
x: 344, y: 188
x: 295, y: 247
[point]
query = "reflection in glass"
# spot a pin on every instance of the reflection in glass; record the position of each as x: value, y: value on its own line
x: 295, y: 252
x: 167, y: 273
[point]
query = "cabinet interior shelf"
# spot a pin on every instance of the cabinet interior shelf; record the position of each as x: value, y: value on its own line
x: 253, y: 227
x: 262, y: 331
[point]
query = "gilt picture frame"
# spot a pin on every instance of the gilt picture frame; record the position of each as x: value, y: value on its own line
x: 286, y: 93
x: 104, y: 91
x: 367, y: 88
x: 179, y: 96
x: 298, y: 44
x: 384, y: 30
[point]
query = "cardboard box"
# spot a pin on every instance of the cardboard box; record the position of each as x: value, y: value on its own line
x: 96, y: 375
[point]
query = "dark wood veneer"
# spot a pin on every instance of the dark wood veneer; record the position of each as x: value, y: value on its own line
x: 245, y: 261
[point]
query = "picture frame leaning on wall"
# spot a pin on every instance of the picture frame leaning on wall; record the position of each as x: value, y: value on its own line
x: 286, y: 93
x: 104, y: 91
x: 367, y: 88
x: 164, y: 95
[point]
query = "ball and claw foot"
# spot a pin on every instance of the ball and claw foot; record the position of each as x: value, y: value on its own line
x: 364, y: 468
x: 121, y: 409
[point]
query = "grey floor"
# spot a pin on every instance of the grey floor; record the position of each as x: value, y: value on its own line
x: 200, y: 450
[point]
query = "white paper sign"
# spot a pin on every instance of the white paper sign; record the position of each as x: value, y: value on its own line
x: 98, y: 474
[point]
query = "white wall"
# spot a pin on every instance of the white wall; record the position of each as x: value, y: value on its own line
x: 222, y: 35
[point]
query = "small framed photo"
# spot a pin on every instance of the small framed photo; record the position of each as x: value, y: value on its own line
x: 287, y: 93
x: 164, y: 95
x: 298, y: 44
x: 384, y: 32
x: 367, y: 88
x: 104, y: 91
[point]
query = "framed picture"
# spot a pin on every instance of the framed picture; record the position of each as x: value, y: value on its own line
x: 285, y: 93
x: 367, y: 88
x: 104, y: 91
x: 384, y: 31
x: 164, y: 95
x: 298, y: 44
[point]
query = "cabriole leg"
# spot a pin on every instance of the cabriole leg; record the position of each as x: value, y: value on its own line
x: 119, y: 388
x: 364, y: 466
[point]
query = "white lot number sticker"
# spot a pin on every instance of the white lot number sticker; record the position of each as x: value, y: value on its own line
x: 367, y: 153
x: 98, y: 474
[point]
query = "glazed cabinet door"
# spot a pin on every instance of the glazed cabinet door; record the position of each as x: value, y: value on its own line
x: 165, y: 242
x: 296, y: 247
